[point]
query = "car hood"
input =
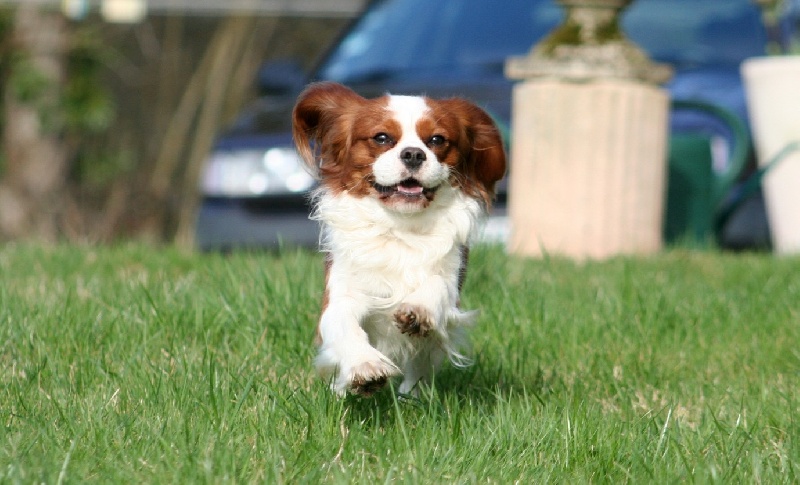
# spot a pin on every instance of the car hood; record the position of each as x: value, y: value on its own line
x: 271, y: 115
x: 269, y: 118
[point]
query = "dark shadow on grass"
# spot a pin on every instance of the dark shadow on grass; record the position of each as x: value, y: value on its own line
x: 483, y: 385
x: 486, y: 382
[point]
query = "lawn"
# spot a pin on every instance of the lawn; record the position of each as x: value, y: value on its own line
x: 135, y: 365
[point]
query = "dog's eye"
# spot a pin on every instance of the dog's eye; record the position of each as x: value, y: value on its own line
x: 436, y: 140
x: 382, y: 139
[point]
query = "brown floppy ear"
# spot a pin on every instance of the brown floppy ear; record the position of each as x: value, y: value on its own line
x: 317, y: 109
x: 488, y: 153
x: 484, y: 156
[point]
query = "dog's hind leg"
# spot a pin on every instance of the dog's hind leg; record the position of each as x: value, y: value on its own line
x: 420, y: 367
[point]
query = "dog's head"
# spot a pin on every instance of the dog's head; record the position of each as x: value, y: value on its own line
x: 397, y: 149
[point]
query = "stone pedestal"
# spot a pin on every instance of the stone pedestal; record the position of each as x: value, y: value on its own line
x: 588, y: 161
x: 588, y: 168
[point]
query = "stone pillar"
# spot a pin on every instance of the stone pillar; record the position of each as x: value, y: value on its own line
x: 589, y: 139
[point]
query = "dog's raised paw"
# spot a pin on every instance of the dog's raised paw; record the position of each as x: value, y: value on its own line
x: 412, y: 320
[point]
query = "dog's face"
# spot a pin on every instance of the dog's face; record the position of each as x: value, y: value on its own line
x: 399, y: 150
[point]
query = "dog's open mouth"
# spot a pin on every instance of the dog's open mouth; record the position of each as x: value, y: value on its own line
x: 409, y: 188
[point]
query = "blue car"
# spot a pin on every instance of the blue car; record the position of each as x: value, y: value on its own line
x: 254, y: 188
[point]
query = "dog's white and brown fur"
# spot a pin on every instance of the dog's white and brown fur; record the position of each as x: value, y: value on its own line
x: 404, y: 181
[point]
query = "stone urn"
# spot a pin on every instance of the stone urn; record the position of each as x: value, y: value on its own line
x: 589, y: 140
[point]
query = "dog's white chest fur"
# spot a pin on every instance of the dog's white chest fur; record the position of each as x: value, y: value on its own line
x: 389, y: 255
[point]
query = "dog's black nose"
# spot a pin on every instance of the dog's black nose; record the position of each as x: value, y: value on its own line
x: 412, y: 157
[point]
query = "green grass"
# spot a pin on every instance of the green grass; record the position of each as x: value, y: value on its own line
x: 134, y: 365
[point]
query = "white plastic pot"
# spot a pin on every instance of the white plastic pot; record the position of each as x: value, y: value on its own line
x: 773, y: 99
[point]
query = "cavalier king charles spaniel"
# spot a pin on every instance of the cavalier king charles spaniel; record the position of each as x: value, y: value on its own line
x: 404, y: 182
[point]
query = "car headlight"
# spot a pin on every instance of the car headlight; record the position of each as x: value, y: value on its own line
x: 243, y: 173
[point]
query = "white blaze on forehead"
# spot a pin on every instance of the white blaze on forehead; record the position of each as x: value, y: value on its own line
x: 407, y: 110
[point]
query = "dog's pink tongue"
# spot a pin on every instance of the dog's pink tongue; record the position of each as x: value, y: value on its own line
x: 409, y: 188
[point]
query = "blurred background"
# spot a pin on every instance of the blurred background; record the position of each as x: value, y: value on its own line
x: 109, y: 109
x: 167, y: 121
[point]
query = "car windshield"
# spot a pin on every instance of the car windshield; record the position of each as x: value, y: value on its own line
x: 459, y: 38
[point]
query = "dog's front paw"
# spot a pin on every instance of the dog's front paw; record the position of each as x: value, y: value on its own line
x: 355, y: 368
x: 370, y: 377
x: 413, y: 320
